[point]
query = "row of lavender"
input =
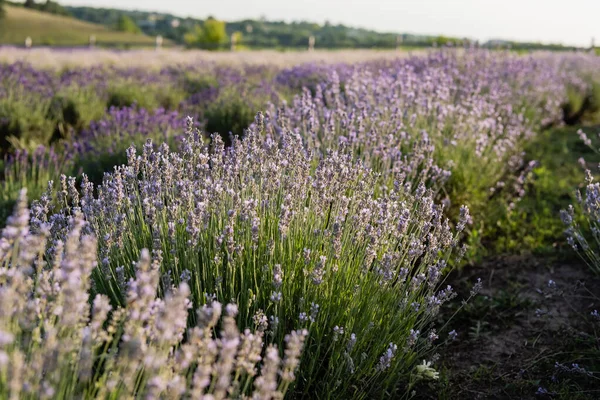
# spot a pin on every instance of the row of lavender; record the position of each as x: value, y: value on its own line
x: 40, y: 107
x: 325, y: 229
x: 83, y: 119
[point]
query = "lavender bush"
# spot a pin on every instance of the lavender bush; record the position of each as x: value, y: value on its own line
x: 104, y: 144
x: 23, y: 123
x: 54, y: 345
x: 458, y: 124
x: 32, y: 171
x: 294, y: 243
x: 582, y: 221
x: 42, y: 106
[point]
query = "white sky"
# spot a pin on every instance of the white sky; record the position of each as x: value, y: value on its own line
x: 572, y: 22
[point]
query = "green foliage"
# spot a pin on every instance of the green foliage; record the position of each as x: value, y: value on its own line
x: 73, y: 109
x: 24, y: 123
x: 233, y: 111
x: 214, y: 31
x: 126, y: 24
x: 30, y: 170
x: 211, y: 35
x: 442, y: 40
x: 125, y: 94
x: 72, y: 349
x: 53, y: 8
x: 237, y: 37
x: 593, y: 115
x: 531, y: 46
x: 530, y: 224
x: 194, y: 83
x: 583, y: 105
x: 229, y: 116
x: 272, y: 34
x: 534, y: 225
x: 29, y: 120
x: 48, y: 6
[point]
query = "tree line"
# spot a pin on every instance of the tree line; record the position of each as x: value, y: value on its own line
x: 48, y: 6
x: 253, y: 33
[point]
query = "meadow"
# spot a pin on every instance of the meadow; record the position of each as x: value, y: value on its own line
x: 54, y: 30
x: 299, y: 225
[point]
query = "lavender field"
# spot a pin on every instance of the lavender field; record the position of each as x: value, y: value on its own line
x: 423, y: 226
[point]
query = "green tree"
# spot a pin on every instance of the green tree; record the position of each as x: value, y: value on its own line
x: 126, y: 24
x: 53, y: 7
x: 211, y: 35
x: 29, y: 4
x: 1, y: 8
x: 236, y: 40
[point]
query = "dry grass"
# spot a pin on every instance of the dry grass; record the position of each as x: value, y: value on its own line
x: 156, y: 59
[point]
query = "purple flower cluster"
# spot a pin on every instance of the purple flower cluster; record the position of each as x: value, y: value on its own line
x: 152, y: 352
x: 30, y: 96
x: 126, y: 126
x: 317, y: 230
x: 456, y: 123
x: 382, y: 111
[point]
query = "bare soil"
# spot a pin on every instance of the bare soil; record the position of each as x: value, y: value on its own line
x: 515, y: 331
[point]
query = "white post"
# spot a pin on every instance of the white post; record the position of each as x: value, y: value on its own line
x: 28, y: 42
x: 399, y: 41
x: 311, y: 43
x: 159, y: 42
x: 92, y: 41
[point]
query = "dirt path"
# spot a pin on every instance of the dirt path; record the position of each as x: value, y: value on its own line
x: 531, y: 314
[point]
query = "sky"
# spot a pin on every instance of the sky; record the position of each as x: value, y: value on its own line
x: 571, y: 22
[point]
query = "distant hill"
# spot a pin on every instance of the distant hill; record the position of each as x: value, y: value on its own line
x: 259, y: 33
x: 56, y: 30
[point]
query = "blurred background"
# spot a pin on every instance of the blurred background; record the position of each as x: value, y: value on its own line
x: 235, y: 25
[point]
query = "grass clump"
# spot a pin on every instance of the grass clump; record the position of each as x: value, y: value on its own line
x: 72, y: 109
x: 32, y: 171
x: 533, y: 224
x: 149, y: 97
x: 24, y: 123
